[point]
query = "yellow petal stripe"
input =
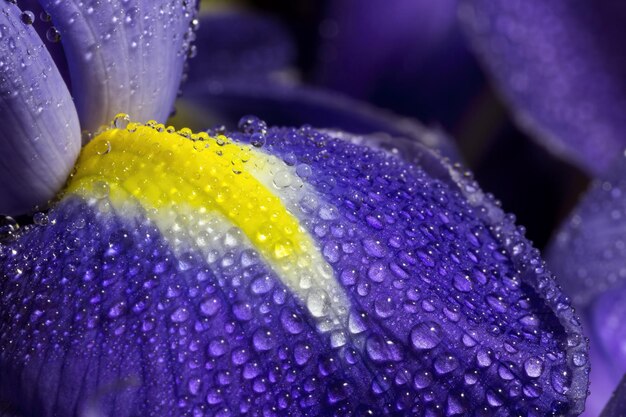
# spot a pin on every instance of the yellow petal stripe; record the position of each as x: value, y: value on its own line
x: 161, y: 169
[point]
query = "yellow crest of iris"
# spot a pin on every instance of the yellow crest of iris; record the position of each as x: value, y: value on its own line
x: 169, y: 172
x: 160, y: 167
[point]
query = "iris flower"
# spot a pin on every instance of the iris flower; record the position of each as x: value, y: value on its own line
x: 266, y: 271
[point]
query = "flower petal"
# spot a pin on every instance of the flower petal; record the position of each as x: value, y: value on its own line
x: 123, y: 56
x: 227, y: 101
x: 240, y: 44
x: 40, y: 136
x: 617, y: 404
x: 279, y: 271
x: 561, y: 67
x: 409, y: 56
x: 589, y: 257
x: 400, y: 38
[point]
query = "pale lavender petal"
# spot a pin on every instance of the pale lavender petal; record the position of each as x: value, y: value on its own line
x: 49, y: 34
x: 561, y: 66
x: 40, y: 135
x: 124, y: 56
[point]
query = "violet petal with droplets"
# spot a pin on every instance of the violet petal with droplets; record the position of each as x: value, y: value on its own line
x: 320, y: 277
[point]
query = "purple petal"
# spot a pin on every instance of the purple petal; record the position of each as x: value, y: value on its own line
x: 399, y: 36
x: 589, y: 258
x: 239, y: 44
x: 40, y: 136
x: 561, y: 67
x: 448, y: 308
x: 617, y: 404
x: 408, y: 55
x: 227, y: 101
x: 124, y: 56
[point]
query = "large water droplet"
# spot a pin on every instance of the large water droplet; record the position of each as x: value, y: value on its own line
x: 533, y: 367
x: 426, y: 335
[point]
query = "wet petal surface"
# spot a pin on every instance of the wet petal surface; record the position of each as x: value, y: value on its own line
x: 123, y: 56
x: 40, y: 136
x: 561, y: 66
x: 278, y: 271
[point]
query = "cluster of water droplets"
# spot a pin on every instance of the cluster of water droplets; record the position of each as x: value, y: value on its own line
x: 43, y: 22
x: 451, y: 311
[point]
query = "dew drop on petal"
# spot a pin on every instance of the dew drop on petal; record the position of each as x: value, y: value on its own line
x: 426, y: 335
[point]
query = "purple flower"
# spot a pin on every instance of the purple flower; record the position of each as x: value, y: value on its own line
x: 266, y: 271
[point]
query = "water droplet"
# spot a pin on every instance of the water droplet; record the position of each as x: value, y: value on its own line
x: 291, y: 321
x: 426, y: 335
x: 257, y: 140
x: 302, y: 353
x: 218, y: 347
x: 41, y: 219
x: 263, y: 339
x: 28, y: 17
x: 282, y: 179
x: 180, y: 315
x: 53, y: 34
x: 462, y: 283
x: 533, y: 367
x: 579, y: 359
x: 445, y: 364
x: 103, y: 147
x: 560, y: 379
x: 384, y: 307
x: 422, y: 379
x: 483, y: 357
x: 121, y: 121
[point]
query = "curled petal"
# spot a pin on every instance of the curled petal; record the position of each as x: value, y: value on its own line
x: 123, y: 56
x: 561, y: 67
x: 40, y: 136
x: 279, y: 271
